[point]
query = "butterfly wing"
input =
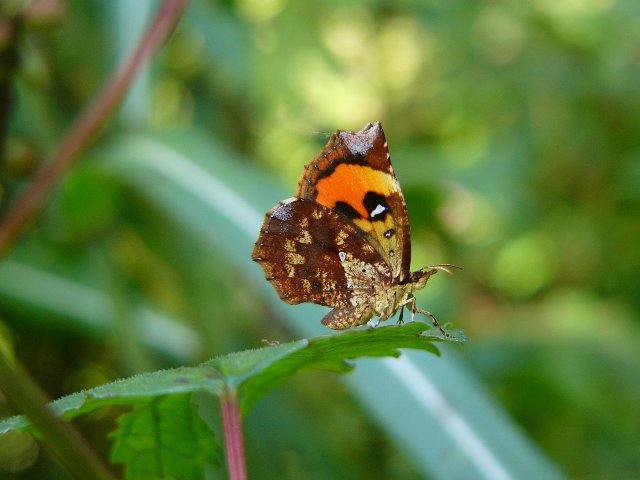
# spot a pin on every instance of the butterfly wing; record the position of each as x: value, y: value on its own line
x: 311, y: 253
x: 353, y: 175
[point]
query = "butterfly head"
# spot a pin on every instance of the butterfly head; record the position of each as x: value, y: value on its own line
x: 419, y: 278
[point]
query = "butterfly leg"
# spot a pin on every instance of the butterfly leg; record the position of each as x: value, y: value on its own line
x: 395, y: 302
x: 414, y: 309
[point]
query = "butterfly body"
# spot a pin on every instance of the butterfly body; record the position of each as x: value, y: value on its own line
x: 343, y: 241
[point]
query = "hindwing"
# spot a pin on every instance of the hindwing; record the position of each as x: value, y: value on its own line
x: 311, y: 253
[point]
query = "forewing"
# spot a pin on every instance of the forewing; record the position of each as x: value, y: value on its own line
x: 353, y: 175
x: 310, y: 253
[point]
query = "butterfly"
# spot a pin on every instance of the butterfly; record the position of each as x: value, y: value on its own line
x: 343, y: 240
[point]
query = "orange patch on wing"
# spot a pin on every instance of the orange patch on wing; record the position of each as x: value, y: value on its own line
x: 350, y: 183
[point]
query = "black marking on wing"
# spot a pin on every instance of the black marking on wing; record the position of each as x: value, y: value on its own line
x: 376, y: 206
x: 347, y: 210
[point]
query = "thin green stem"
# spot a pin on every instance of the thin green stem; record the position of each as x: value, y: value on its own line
x: 87, y: 126
x: 233, y: 438
x: 61, y: 438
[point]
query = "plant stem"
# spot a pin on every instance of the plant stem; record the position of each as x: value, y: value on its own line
x: 233, y: 438
x: 62, y: 439
x: 87, y: 126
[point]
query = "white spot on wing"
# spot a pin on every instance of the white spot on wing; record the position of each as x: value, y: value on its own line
x: 377, y: 211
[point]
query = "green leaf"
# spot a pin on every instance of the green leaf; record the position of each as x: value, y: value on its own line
x: 253, y: 373
x: 165, y: 438
x: 328, y: 352
x: 136, y: 390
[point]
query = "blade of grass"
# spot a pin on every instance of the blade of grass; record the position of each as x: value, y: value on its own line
x: 61, y: 438
x: 75, y: 302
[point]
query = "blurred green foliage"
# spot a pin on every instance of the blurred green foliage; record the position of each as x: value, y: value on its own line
x: 514, y: 131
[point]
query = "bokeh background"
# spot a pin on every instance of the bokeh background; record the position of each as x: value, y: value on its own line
x: 514, y: 128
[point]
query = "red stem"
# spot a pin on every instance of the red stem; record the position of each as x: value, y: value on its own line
x: 233, y: 439
x: 87, y: 126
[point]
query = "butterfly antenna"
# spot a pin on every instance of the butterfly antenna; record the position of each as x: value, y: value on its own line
x: 445, y: 267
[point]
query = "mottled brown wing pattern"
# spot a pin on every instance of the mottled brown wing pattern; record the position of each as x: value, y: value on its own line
x: 310, y: 253
x: 354, y: 176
